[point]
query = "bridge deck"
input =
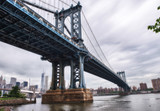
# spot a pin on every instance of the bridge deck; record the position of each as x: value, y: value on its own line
x: 22, y: 27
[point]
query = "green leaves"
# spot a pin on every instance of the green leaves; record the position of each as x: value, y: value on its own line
x: 15, y: 92
x: 156, y: 26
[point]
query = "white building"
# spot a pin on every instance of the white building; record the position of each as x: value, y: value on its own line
x: 13, y: 81
x: 42, y: 82
x: 46, y: 83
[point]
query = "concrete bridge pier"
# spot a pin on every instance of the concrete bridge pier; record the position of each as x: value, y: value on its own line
x: 77, y: 91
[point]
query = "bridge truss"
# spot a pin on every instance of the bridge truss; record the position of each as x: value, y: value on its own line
x: 24, y: 28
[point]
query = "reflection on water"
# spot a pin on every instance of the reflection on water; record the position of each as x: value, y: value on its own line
x: 70, y: 107
x: 143, y: 102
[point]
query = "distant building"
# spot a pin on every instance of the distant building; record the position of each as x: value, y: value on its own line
x: 134, y: 88
x: 25, y: 84
x: 143, y: 86
x: 156, y: 84
x: 1, y: 79
x: 94, y: 92
x: 120, y: 89
x: 46, y: 83
x: 18, y: 84
x: 33, y: 87
x: 42, y: 82
x: 13, y: 81
x: 2, y: 82
x: 36, y: 86
x: 9, y: 86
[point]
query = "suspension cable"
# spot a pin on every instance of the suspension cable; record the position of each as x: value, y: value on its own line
x: 93, y: 36
x: 91, y: 43
x: 95, y: 39
x: 84, y: 30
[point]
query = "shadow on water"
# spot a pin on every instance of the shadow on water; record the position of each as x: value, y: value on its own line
x: 70, y: 107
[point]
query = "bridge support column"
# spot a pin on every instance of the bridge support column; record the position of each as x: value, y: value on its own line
x: 77, y: 73
x: 57, y: 76
x: 81, y: 72
x: 72, y: 79
x: 53, y: 81
x: 62, y: 85
x: 76, y: 93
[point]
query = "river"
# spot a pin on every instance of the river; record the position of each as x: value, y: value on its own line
x: 141, y: 102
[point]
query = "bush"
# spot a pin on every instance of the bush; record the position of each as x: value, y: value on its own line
x: 5, y: 95
x: 15, y: 92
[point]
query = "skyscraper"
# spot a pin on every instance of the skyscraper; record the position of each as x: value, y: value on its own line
x: 1, y: 82
x: 46, y: 82
x: 42, y: 81
x: 13, y: 81
x: 1, y: 79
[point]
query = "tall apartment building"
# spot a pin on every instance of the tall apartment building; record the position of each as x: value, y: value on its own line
x: 143, y: 86
x: 156, y: 84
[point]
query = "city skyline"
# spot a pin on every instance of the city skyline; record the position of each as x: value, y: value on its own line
x: 136, y: 47
x: 142, y: 86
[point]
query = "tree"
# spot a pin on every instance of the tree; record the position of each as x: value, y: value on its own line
x: 15, y: 92
x: 156, y: 26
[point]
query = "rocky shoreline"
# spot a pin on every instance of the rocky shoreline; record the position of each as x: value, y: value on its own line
x: 18, y: 101
x: 6, y: 105
x: 6, y: 108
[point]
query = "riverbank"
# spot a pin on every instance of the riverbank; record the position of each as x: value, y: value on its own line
x: 129, y: 93
x: 6, y: 108
x: 14, y: 101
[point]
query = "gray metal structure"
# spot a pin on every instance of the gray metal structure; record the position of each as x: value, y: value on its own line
x: 22, y: 27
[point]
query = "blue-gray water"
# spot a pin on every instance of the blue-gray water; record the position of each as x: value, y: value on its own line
x: 142, y: 102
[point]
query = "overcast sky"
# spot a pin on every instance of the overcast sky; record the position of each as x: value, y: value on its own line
x: 120, y: 27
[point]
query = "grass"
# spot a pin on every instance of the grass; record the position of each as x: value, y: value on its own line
x: 7, y: 98
x: 1, y: 109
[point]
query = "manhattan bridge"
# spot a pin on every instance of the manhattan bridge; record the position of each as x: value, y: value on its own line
x: 55, y: 31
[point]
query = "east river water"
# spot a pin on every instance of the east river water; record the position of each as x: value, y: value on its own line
x: 141, y: 102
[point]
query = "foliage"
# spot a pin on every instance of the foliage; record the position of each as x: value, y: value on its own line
x: 150, y: 89
x: 1, y: 109
x: 156, y: 26
x: 5, y: 95
x: 4, y: 98
x: 15, y: 92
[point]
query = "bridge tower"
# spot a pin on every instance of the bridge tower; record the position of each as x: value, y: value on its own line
x: 77, y: 91
x: 123, y: 77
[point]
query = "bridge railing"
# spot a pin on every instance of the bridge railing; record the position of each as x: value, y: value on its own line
x: 44, y: 21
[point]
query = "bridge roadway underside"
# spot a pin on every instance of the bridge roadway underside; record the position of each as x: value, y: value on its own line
x: 25, y: 31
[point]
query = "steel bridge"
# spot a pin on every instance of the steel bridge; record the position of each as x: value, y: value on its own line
x: 22, y: 27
